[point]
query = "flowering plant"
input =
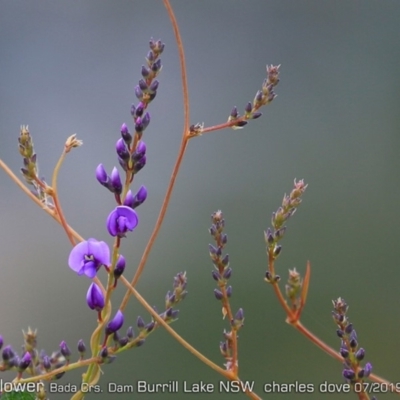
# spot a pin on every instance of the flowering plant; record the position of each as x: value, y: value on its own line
x: 114, y: 332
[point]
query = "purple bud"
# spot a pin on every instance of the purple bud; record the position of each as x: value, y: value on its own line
x: 143, y: 85
x: 269, y: 238
x: 367, y: 370
x: 129, y: 333
x: 124, y: 130
x: 119, y: 267
x: 123, y: 164
x: 256, y: 115
x: 138, y: 93
x: 349, y: 328
x: 145, y: 72
x: 122, y: 150
x: 238, y: 319
x: 139, y: 109
x: 241, y: 124
x: 277, y: 250
x: 46, y: 363
x: 216, y: 276
x: 154, y: 86
x: 103, y: 353
x: 234, y: 112
x: 229, y: 291
x: 145, y: 120
x: 1, y: 342
x: 64, y: 349
x: 268, y: 276
x: 218, y: 294
x: 115, y: 324
x: 116, y: 337
x: 157, y: 65
x: 140, y: 151
x: 24, y: 362
x: 224, y: 238
x: 138, y: 125
x: 128, y: 201
x: 140, y: 197
x: 353, y: 343
x: 116, y: 181
x: 225, y: 260
x: 248, y: 108
x: 150, y: 55
x: 344, y: 352
x: 360, y: 354
x: 81, y: 347
x: 227, y: 273
x: 349, y: 374
x: 150, y: 326
x: 140, y: 323
x: 101, y: 175
x: 95, y: 298
x: 139, y: 164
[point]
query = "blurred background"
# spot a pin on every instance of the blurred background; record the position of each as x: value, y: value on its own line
x: 71, y: 67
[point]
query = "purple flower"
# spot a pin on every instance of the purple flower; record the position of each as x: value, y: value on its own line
x: 121, y: 220
x: 95, y: 297
x: 115, y: 324
x: 87, y: 257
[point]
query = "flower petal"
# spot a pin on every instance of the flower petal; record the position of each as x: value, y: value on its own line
x: 77, y: 255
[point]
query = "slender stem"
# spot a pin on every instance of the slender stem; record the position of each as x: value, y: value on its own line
x: 221, y: 126
x: 227, y: 374
x: 57, y: 204
x: 171, y: 331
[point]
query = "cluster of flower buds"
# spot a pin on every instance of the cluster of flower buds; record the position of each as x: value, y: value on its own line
x: 262, y: 98
x: 34, y: 362
x: 131, y: 157
x: 30, y: 170
x: 279, y: 218
x: 221, y: 274
x: 349, y: 348
x: 222, y: 271
x: 178, y: 293
x: 130, y: 148
x: 293, y: 287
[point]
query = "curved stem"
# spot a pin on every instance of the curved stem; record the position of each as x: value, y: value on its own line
x: 57, y: 204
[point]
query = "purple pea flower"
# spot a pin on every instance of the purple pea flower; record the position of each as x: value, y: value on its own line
x: 95, y: 297
x: 87, y: 257
x: 121, y: 220
x: 115, y: 324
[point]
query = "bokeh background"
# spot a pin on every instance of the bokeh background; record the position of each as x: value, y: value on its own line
x: 71, y: 67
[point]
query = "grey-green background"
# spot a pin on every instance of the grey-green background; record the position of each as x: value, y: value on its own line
x: 70, y: 67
